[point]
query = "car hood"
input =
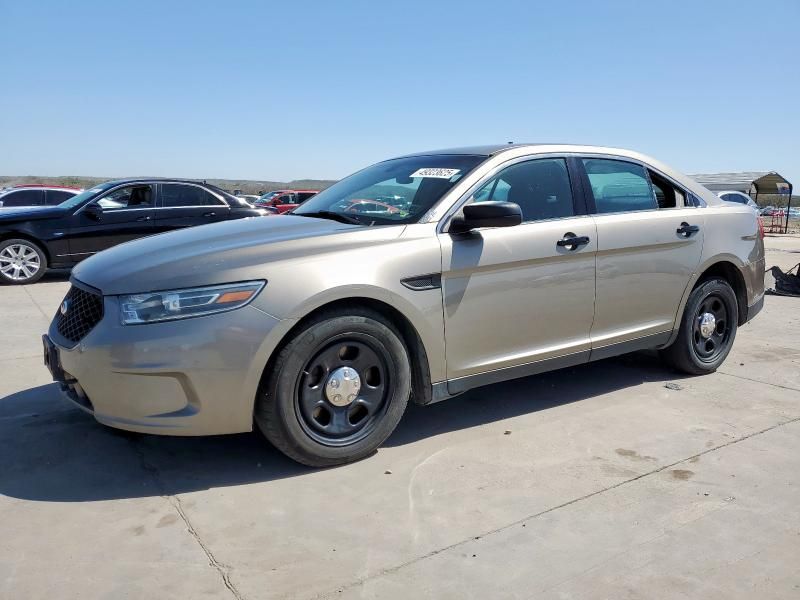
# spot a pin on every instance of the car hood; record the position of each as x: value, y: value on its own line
x: 223, y: 252
x: 27, y: 213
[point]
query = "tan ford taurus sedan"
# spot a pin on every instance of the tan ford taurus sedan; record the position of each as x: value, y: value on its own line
x: 417, y: 278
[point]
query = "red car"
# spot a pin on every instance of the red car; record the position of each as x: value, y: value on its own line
x: 283, y: 200
x: 368, y: 207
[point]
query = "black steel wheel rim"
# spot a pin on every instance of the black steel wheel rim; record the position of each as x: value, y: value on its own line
x: 709, y: 347
x: 333, y: 425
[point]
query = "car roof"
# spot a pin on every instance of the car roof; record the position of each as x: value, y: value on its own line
x: 540, y: 147
x: 154, y: 180
x: 41, y: 186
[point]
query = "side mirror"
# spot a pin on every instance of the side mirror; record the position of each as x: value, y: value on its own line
x: 487, y: 214
x: 94, y: 211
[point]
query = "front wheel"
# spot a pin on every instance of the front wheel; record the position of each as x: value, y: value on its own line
x: 707, y: 329
x: 336, y: 390
x: 21, y: 261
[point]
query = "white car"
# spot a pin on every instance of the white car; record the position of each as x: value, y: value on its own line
x: 739, y: 198
x: 36, y: 195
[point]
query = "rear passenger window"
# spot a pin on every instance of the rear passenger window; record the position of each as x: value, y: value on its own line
x: 57, y: 196
x: 619, y: 186
x: 175, y: 195
x: 540, y: 187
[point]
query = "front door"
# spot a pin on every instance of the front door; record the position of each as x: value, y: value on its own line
x: 125, y: 213
x: 519, y: 298
x: 187, y: 205
x: 649, y: 244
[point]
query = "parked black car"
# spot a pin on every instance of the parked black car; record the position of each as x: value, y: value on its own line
x: 35, y: 238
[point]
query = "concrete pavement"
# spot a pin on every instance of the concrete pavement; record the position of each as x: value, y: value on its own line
x: 616, y: 479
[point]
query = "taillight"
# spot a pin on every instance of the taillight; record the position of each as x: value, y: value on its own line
x: 760, y: 227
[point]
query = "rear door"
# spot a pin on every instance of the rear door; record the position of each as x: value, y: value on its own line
x: 187, y: 205
x: 127, y: 214
x: 53, y: 197
x: 516, y: 296
x: 303, y: 196
x: 649, y: 244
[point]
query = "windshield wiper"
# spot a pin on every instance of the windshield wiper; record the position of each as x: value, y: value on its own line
x: 329, y: 214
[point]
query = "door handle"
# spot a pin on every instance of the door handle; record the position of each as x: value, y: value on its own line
x: 686, y: 230
x: 147, y: 218
x: 570, y: 241
x: 210, y: 214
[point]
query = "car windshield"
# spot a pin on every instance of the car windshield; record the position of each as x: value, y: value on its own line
x: 267, y: 196
x: 78, y: 199
x: 396, y: 191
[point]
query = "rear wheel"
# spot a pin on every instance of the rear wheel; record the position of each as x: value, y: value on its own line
x: 707, y: 329
x: 21, y: 261
x: 336, y: 390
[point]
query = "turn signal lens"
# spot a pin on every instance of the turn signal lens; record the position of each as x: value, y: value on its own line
x: 170, y: 305
x: 235, y: 296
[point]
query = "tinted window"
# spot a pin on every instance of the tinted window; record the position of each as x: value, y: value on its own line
x: 287, y: 199
x: 734, y: 198
x: 133, y: 196
x: 23, y: 198
x: 57, y: 196
x: 540, y: 187
x: 175, y: 194
x: 619, y: 186
x: 303, y: 196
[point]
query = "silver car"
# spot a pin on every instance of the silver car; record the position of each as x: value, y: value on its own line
x: 321, y: 325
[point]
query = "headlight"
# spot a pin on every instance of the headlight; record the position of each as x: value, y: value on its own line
x: 181, y: 304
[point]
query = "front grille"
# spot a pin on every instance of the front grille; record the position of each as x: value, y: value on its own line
x: 79, y: 313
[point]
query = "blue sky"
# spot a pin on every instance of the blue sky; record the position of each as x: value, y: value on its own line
x: 284, y: 90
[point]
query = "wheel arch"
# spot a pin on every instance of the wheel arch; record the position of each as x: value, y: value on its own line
x: 21, y: 235
x: 727, y: 270
x: 421, y: 388
x: 729, y: 267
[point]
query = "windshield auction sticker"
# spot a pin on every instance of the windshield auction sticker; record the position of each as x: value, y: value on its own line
x: 435, y: 172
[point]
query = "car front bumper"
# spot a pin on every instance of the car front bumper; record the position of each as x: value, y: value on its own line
x: 196, y: 376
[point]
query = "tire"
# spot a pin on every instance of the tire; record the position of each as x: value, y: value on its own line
x: 298, y: 408
x: 21, y: 262
x: 695, y: 350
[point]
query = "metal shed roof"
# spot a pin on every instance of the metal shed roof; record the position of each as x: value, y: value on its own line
x: 749, y: 182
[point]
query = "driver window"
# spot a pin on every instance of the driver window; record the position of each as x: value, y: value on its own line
x: 134, y: 196
x: 541, y: 188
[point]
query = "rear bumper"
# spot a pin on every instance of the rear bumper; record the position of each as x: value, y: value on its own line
x: 754, y: 309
